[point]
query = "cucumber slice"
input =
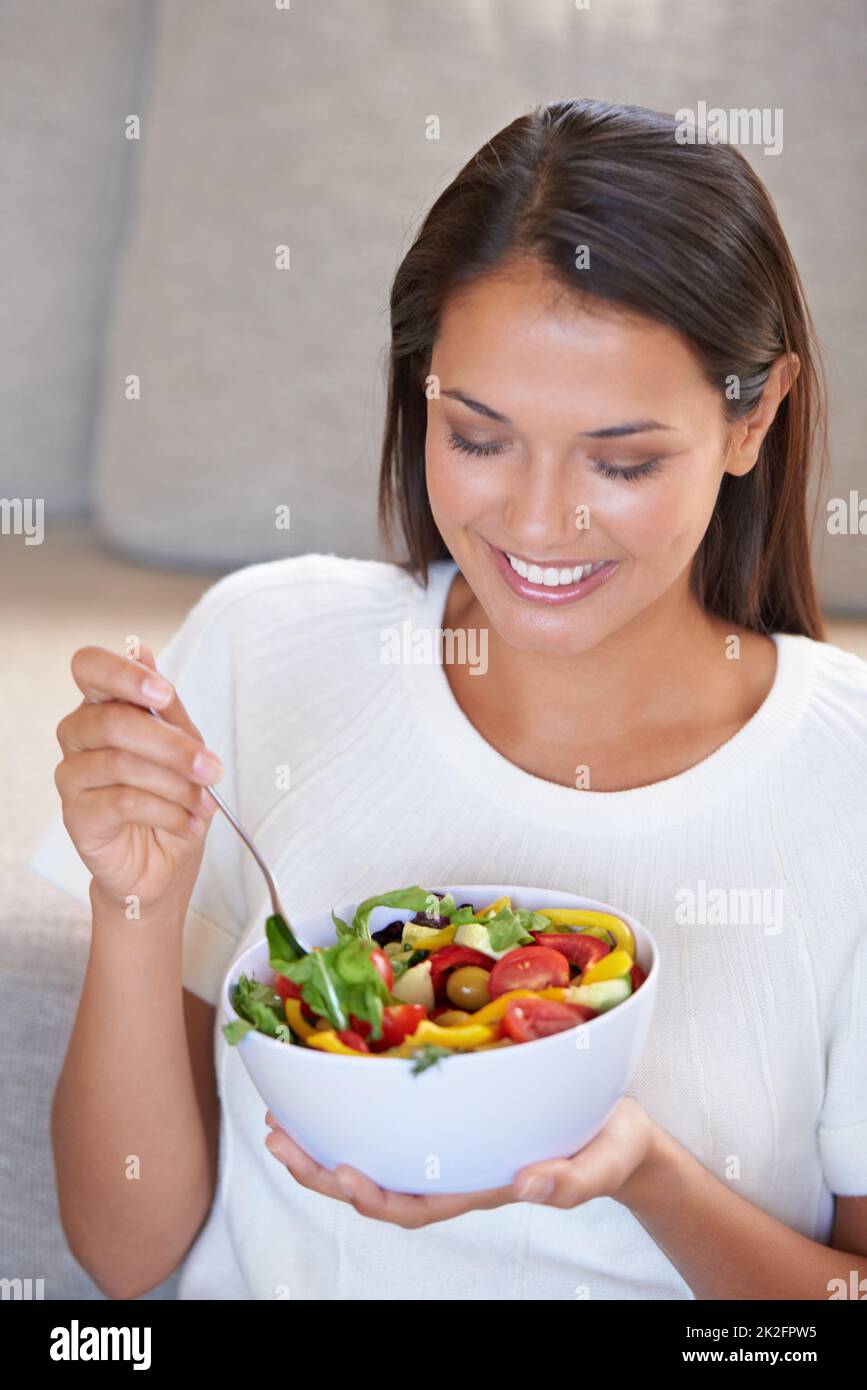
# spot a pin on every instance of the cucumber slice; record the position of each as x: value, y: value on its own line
x: 602, y: 995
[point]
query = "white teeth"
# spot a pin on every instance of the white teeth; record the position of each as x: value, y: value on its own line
x: 553, y: 578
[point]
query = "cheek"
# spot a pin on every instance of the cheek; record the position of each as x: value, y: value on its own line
x: 459, y: 488
x: 660, y: 521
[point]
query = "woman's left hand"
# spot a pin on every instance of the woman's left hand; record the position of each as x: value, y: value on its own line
x: 609, y: 1166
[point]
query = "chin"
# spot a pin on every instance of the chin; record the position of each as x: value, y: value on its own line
x: 549, y: 632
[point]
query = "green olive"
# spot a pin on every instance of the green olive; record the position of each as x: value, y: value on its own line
x: 467, y: 987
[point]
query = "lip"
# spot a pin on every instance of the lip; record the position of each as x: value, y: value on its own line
x: 540, y: 593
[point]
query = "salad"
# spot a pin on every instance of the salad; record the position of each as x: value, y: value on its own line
x: 450, y: 980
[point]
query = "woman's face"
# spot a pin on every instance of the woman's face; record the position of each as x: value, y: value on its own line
x: 608, y: 452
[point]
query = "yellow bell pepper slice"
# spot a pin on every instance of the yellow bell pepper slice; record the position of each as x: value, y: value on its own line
x: 433, y: 943
x: 466, y: 1036
x: 493, y: 1012
x: 609, y: 967
x: 585, y: 917
x: 492, y: 907
x: 328, y: 1041
x: 296, y: 1020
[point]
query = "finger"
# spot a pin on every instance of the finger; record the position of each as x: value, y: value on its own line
x: 110, y: 767
x: 413, y: 1210
x: 103, y: 675
x: 555, y: 1184
x: 109, y: 809
x: 116, y: 724
x: 303, y: 1168
x: 173, y: 710
x: 595, y: 1171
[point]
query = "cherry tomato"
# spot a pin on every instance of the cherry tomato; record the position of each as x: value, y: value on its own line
x: 526, y: 1020
x: 638, y: 976
x: 360, y: 1025
x: 400, y: 1021
x: 383, y: 966
x: 580, y: 950
x: 353, y: 1039
x: 529, y: 967
x: 287, y: 989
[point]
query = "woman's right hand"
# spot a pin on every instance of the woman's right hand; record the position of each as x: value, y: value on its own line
x: 132, y: 787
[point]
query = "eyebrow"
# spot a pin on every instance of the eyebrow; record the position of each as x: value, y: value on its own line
x: 611, y: 432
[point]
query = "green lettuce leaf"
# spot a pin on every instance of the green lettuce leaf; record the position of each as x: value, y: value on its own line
x: 260, y: 1007
x: 342, y: 980
x: 417, y: 899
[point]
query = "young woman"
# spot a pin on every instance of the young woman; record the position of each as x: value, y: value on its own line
x: 603, y: 409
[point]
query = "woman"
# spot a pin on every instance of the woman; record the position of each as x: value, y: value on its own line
x: 603, y: 409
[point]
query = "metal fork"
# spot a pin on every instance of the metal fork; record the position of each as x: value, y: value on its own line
x: 276, y: 905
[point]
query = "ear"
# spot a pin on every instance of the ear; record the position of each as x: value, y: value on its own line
x: 746, y: 435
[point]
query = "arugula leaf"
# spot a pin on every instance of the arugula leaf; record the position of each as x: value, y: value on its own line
x: 342, y: 980
x: 342, y: 928
x: 260, y: 1007
x: 427, y: 1056
x: 418, y: 899
x: 233, y: 1032
x: 280, y: 949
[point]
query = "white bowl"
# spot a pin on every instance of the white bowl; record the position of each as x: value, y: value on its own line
x: 470, y: 1121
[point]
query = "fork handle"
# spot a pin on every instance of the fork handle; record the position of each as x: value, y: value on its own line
x: 276, y: 906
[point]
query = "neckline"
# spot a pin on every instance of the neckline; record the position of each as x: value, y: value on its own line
x: 466, y: 750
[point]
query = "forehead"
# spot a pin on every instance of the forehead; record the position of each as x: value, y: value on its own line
x: 520, y: 340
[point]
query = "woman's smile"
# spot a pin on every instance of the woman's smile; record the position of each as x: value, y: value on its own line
x: 551, y: 581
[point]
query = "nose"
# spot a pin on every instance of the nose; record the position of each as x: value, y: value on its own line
x: 540, y: 510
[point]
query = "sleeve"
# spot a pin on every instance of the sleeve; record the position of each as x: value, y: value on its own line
x: 843, y: 1121
x: 199, y: 661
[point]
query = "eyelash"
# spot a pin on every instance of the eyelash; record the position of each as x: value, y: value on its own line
x: 640, y: 470
x: 457, y: 441
x: 630, y: 475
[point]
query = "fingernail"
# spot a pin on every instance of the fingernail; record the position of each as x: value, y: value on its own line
x: 206, y: 766
x: 346, y: 1188
x: 269, y: 1120
x: 206, y: 801
x: 196, y: 825
x: 157, y: 691
x: 536, y: 1189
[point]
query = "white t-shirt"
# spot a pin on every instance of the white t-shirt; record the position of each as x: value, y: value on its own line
x: 757, y: 1056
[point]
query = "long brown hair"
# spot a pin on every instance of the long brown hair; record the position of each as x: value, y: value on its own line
x: 684, y: 234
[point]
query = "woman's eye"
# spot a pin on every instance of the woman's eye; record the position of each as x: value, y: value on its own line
x: 457, y: 441
x: 639, y: 470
